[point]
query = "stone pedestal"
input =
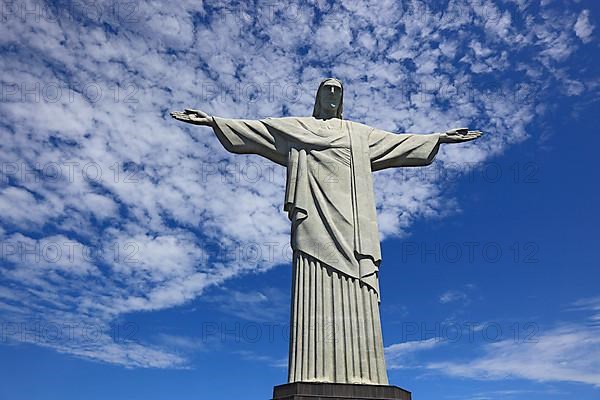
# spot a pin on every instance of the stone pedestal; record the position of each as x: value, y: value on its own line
x: 338, y: 391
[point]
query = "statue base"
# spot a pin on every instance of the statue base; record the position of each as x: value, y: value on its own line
x: 338, y: 391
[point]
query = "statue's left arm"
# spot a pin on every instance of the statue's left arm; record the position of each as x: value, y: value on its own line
x: 389, y: 150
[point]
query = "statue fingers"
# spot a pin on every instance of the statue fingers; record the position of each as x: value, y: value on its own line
x: 199, y: 113
x: 195, y: 118
x: 469, y: 137
x: 457, y: 131
x: 180, y: 116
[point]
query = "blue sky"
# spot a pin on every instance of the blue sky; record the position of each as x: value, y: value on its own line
x: 125, y: 274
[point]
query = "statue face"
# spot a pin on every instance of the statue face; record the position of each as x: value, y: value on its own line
x: 330, y: 98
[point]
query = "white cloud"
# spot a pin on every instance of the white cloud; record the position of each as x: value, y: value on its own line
x: 270, y: 361
x: 565, y: 354
x: 588, y: 304
x: 269, y: 305
x: 583, y: 27
x: 452, y: 296
x: 398, y: 355
x: 20, y: 207
x: 184, y: 343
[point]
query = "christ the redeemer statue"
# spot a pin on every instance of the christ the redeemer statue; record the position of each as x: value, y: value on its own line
x: 335, y: 326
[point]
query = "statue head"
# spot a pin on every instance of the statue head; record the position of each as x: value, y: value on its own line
x: 329, y: 102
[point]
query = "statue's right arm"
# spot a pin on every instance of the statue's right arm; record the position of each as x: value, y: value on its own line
x: 241, y: 136
x: 195, y: 117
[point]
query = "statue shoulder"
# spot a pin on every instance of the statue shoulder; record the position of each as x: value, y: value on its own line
x: 293, y: 119
x: 360, y: 127
x: 299, y: 121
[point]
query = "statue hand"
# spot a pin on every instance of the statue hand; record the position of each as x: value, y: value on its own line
x: 195, y: 117
x: 459, y: 135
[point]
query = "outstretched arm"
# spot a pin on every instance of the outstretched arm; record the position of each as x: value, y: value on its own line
x: 389, y: 150
x: 241, y: 136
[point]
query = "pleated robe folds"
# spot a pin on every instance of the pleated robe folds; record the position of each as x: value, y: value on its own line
x: 335, y: 327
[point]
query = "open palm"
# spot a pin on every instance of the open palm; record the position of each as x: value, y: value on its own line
x: 459, y: 135
x: 191, y: 116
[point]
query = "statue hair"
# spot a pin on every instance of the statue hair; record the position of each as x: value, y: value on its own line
x: 317, y: 109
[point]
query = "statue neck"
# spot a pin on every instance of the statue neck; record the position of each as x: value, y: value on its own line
x: 327, y: 115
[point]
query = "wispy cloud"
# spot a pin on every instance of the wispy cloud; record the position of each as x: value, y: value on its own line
x: 401, y: 355
x: 506, y: 394
x: 184, y: 343
x: 588, y: 304
x: 270, y: 361
x: 570, y: 353
x: 583, y: 27
x: 451, y: 296
x: 269, y: 305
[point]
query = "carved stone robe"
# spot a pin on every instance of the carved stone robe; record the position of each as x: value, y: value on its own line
x: 335, y: 327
